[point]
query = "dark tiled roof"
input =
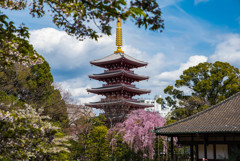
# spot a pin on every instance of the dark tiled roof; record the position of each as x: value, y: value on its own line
x: 223, y: 117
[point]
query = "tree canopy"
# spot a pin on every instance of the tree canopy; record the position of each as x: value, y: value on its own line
x: 77, y: 17
x: 89, y: 141
x: 25, y: 75
x: 202, y: 86
x: 13, y: 44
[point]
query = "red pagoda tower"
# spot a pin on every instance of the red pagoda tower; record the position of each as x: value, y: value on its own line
x: 118, y: 76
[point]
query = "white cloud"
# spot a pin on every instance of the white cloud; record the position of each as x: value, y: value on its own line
x: 199, y: 1
x: 173, y: 75
x: 77, y: 87
x: 155, y: 62
x: 228, y: 50
x: 133, y: 52
x: 65, y: 52
x: 92, y: 98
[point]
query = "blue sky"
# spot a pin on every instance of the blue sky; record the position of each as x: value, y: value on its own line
x: 195, y: 31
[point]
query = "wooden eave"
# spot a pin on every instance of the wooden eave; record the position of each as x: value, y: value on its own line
x: 118, y: 73
x: 114, y: 88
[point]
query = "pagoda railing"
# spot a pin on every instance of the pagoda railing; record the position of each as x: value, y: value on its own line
x: 117, y: 99
x: 131, y: 85
x: 107, y: 71
x: 114, y: 116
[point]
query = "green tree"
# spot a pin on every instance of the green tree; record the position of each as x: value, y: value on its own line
x: 76, y: 17
x: 98, y: 145
x: 13, y: 46
x: 202, y: 86
x: 89, y: 141
x: 26, y: 75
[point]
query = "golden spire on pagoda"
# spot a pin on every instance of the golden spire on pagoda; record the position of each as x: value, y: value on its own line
x: 119, y: 35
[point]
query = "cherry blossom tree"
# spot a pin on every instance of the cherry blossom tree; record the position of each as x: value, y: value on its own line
x: 26, y: 135
x: 137, y: 131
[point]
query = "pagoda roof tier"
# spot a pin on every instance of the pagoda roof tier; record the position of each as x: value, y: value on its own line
x: 118, y: 87
x: 125, y: 73
x: 118, y: 57
x: 127, y: 102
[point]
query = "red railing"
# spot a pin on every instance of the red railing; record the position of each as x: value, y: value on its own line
x: 114, y: 99
x: 122, y: 83
x: 112, y: 70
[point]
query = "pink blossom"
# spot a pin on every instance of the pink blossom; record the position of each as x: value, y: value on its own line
x: 137, y: 130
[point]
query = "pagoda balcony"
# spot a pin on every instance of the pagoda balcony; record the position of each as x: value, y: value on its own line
x: 115, y: 116
x: 116, y: 99
x: 118, y: 76
x: 116, y: 70
x: 130, y: 85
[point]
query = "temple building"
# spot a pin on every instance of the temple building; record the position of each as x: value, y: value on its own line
x: 118, y: 88
x: 213, y: 134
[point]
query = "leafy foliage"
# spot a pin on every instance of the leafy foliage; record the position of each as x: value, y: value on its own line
x: 33, y: 85
x: 137, y: 131
x: 27, y: 98
x: 13, y: 46
x: 206, y: 84
x: 89, y: 139
x: 98, y: 145
x: 25, y: 134
x: 76, y: 17
x: 26, y: 75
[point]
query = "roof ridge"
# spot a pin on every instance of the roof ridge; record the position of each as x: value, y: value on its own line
x: 103, y: 57
x: 199, y: 113
x: 113, y: 58
x: 134, y: 58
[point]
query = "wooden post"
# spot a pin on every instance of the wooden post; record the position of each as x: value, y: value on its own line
x: 191, y: 152
x: 172, y: 155
x: 191, y: 149
x: 205, y: 147
x: 214, y: 152
x: 197, y: 156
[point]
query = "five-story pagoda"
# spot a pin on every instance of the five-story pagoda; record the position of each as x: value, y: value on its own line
x: 118, y: 90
